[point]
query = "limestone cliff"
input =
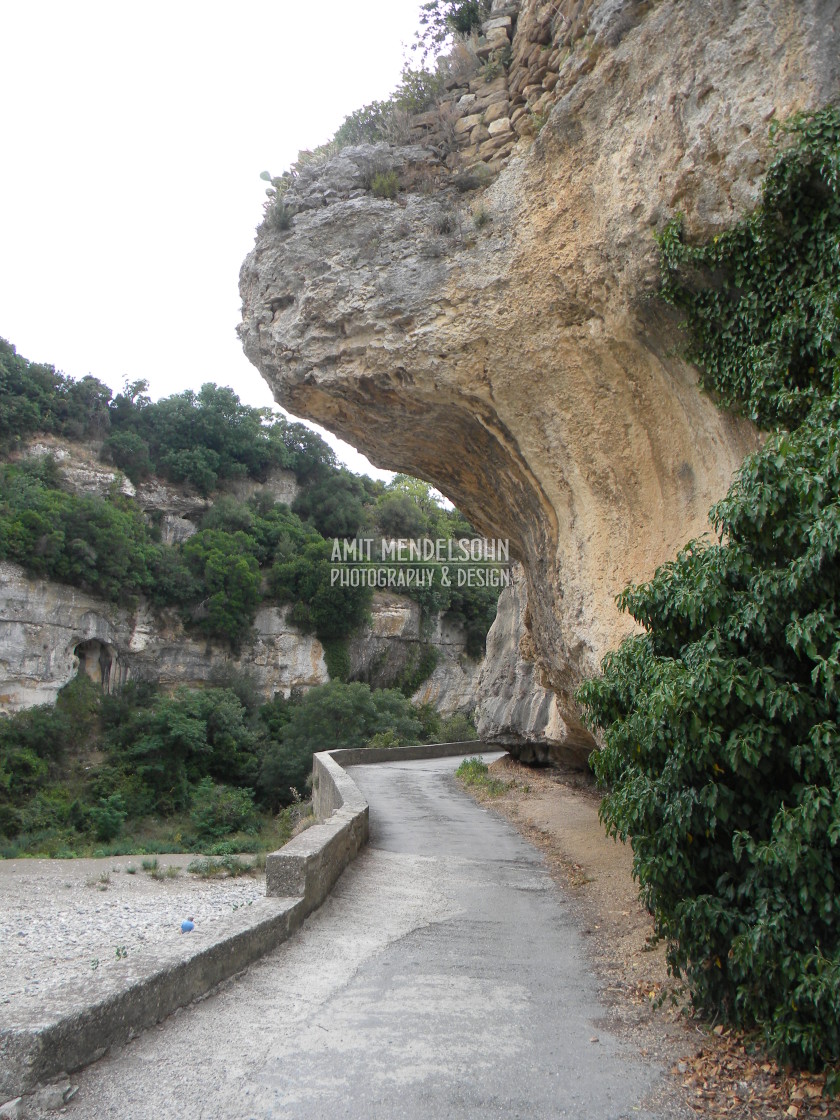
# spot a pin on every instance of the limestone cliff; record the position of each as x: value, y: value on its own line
x: 513, y: 706
x: 507, y: 343
x: 49, y: 631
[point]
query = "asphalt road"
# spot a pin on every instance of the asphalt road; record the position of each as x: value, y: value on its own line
x: 444, y: 978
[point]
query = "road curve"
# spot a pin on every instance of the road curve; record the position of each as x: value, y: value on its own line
x: 444, y: 978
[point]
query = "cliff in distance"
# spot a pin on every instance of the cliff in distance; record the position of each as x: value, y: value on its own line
x: 49, y: 631
x: 495, y: 328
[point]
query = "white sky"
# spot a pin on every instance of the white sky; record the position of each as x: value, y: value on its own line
x: 133, y: 136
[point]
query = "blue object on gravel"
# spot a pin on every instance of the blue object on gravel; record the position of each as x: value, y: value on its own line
x: 188, y: 926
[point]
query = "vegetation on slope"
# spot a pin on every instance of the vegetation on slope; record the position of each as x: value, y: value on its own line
x: 208, y: 770
x: 245, y: 552
x: 720, y: 721
x: 142, y: 769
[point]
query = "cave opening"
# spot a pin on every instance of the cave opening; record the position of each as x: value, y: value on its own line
x: 100, y: 662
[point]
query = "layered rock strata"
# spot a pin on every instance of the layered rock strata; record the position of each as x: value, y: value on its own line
x: 507, y: 344
x: 49, y: 632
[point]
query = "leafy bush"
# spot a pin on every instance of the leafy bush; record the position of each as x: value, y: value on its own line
x: 103, y: 545
x: 130, y: 452
x: 35, y: 398
x: 230, y: 577
x: 386, y: 120
x: 458, y: 728
x: 327, y: 608
x: 421, y: 663
x: 720, y: 721
x: 337, y: 658
x: 338, y: 715
x: 218, y: 810
x: 475, y: 773
x: 108, y: 817
x: 385, y: 184
x: 440, y: 19
x: 334, y: 504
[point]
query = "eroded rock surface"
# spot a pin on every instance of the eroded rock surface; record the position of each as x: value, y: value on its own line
x: 520, y: 360
x: 49, y: 631
x: 514, y: 708
x: 395, y: 644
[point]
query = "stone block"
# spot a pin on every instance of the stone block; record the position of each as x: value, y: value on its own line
x: 479, y: 86
x: 485, y: 101
x: 532, y: 93
x: 536, y: 75
x: 497, y: 43
x: 517, y: 82
x: 496, y: 111
x: 490, y: 147
x: 499, y: 127
x: 479, y: 134
x: 550, y: 81
x: 426, y: 120
x: 466, y: 124
x: 465, y: 101
x: 497, y: 23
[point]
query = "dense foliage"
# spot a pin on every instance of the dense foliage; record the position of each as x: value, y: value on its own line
x: 105, y: 546
x: 35, y: 398
x: 142, y: 770
x: 720, y: 720
x: 198, y: 768
x: 245, y: 551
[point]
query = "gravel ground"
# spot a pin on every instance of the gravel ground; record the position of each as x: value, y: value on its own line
x: 63, y: 921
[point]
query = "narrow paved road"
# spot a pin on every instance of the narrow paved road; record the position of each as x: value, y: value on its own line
x: 444, y: 978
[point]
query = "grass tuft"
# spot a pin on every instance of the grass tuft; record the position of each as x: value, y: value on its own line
x: 476, y: 773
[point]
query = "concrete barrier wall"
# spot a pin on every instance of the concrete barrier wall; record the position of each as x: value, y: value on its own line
x: 309, y: 864
x: 76, y: 1033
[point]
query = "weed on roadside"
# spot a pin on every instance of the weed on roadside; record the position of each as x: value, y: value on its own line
x: 475, y: 772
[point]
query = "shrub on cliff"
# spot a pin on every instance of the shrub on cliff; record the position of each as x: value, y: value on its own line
x: 36, y: 398
x: 441, y: 19
x: 103, y: 545
x: 720, y: 721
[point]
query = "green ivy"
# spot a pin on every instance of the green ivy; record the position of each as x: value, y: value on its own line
x: 337, y: 658
x: 762, y: 300
x: 720, y: 721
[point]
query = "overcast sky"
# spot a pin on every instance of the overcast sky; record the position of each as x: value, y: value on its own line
x: 133, y: 140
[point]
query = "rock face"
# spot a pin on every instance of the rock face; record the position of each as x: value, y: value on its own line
x: 49, y: 631
x: 395, y: 643
x: 513, y: 706
x: 508, y: 345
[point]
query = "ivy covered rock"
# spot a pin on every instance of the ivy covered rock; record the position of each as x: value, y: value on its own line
x: 720, y: 720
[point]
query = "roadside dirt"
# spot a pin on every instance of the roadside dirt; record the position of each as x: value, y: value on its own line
x: 714, y: 1071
